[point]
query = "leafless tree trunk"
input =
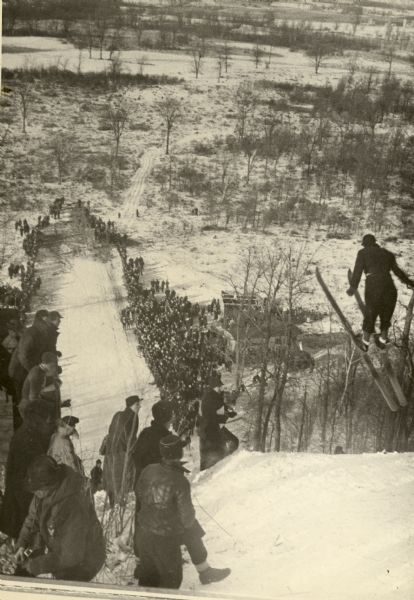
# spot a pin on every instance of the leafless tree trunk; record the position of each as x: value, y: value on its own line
x: 169, y: 109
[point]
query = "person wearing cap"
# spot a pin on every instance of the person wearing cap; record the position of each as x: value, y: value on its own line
x: 32, y: 343
x: 380, y: 292
x: 39, y: 381
x: 212, y: 446
x: 147, y: 451
x: 29, y: 441
x: 166, y: 513
x: 61, y: 447
x: 118, y: 469
x: 61, y: 526
x: 53, y: 321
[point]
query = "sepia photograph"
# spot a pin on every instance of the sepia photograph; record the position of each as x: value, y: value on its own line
x: 207, y: 299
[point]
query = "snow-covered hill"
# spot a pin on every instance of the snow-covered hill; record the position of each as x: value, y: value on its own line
x: 309, y: 526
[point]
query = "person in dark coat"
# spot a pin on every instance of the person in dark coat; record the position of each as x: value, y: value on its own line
x: 36, y: 383
x: 29, y: 441
x: 166, y: 512
x: 380, y: 292
x: 32, y: 343
x: 212, y: 444
x: 96, y: 477
x: 146, y: 452
x: 53, y: 322
x: 118, y: 469
x: 62, y: 523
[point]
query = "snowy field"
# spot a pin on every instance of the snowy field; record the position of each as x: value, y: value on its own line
x: 310, y: 526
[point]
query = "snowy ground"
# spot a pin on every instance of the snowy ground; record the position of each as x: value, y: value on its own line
x: 310, y: 526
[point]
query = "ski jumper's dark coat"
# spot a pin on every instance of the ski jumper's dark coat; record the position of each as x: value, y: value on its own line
x: 380, y: 292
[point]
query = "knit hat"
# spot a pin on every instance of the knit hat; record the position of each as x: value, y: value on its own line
x: 162, y: 411
x: 49, y: 358
x: 368, y: 240
x: 171, y: 447
x: 131, y: 400
x: 43, y: 472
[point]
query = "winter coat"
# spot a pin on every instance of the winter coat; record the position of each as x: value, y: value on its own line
x: 164, y: 493
x: 26, y: 443
x: 118, y: 468
x: 38, y: 385
x: 212, y: 447
x: 32, y: 344
x: 68, y: 526
x: 147, y: 448
x: 377, y: 262
x: 62, y: 450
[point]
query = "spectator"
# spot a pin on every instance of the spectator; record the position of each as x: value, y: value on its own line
x: 61, y: 446
x: 36, y: 383
x: 29, y: 441
x: 96, y: 477
x: 63, y: 517
x: 118, y: 472
x: 146, y: 452
x: 212, y: 444
x: 166, y: 512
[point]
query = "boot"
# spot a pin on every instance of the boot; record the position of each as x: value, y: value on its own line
x: 381, y: 342
x: 212, y: 575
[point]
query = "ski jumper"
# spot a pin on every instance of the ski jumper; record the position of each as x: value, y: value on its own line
x: 380, y: 292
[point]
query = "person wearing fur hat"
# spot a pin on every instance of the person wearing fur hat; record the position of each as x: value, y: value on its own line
x: 147, y: 451
x: 61, y: 447
x: 29, y: 441
x: 118, y: 469
x: 166, y: 513
x: 212, y: 446
x: 62, y: 526
x: 380, y: 292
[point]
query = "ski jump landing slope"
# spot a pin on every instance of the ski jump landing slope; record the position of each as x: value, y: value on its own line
x: 310, y: 526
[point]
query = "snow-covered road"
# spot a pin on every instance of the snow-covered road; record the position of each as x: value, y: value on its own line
x: 100, y: 361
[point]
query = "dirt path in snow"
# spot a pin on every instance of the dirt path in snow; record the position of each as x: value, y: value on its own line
x: 100, y: 361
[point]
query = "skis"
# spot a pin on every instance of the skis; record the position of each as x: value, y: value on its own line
x: 387, y: 364
x: 366, y: 359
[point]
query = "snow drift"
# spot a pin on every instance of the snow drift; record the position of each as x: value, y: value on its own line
x: 311, y: 526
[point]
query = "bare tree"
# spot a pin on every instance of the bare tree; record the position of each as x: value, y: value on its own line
x: 197, y: 55
x: 26, y: 97
x: 62, y: 147
x: 141, y: 62
x: 219, y: 67
x: 225, y: 52
x: 389, y: 55
x: 246, y: 101
x: 170, y: 110
x: 278, y: 276
x: 117, y: 115
x: 318, y: 52
x: 257, y: 54
x: 114, y: 69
